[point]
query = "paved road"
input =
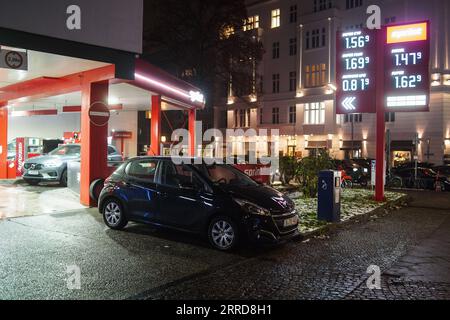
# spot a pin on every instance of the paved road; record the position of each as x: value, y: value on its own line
x: 410, y: 246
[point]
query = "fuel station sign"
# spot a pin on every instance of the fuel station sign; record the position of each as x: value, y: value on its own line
x: 355, y: 73
x: 404, y: 59
x: 407, y: 77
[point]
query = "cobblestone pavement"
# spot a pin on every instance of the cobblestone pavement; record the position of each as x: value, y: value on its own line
x: 410, y: 246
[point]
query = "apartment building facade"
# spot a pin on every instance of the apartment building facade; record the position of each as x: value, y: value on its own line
x: 297, y: 82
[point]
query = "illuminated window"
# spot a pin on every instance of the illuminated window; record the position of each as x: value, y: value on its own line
x: 275, y: 115
x: 314, y: 113
x: 251, y: 23
x: 315, y: 75
x: 276, y: 18
x: 227, y: 32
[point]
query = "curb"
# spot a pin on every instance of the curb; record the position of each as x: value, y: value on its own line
x: 380, y: 211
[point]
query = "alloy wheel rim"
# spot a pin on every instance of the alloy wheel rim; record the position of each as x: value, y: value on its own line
x: 222, y: 234
x: 113, y: 213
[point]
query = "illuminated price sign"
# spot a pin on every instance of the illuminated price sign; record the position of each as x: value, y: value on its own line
x: 407, y: 56
x: 355, y: 72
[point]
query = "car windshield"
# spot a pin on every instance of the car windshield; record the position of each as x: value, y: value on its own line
x: 65, y: 151
x: 223, y: 174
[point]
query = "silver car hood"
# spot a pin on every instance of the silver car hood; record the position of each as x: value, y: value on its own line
x: 47, y: 158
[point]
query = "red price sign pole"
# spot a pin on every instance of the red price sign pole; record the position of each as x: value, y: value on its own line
x: 380, y: 124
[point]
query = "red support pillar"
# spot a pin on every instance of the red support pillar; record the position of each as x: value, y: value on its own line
x: 94, y: 139
x: 155, y: 127
x: 192, y: 146
x: 3, y: 140
x: 380, y: 124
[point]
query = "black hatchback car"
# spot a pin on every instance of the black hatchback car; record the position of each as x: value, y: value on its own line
x: 216, y: 200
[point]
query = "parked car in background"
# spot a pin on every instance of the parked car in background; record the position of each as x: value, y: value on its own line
x: 443, y: 170
x: 218, y: 201
x: 52, y: 167
x: 358, y: 174
x: 426, y: 179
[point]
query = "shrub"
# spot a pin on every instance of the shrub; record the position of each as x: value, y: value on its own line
x: 307, y: 172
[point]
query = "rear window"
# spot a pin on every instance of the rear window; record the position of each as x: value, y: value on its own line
x: 111, y: 150
x: 144, y: 170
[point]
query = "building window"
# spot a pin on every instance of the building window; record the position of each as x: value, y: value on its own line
x: 242, y: 118
x: 261, y: 120
x: 275, y: 115
x: 275, y: 50
x: 292, y: 81
x: 315, y: 113
x: 293, y: 46
x: 251, y: 23
x: 292, y: 114
x: 307, y: 39
x: 350, y: 4
x: 355, y: 118
x: 389, y: 117
x: 324, y: 37
x: 276, y: 17
x: 316, y: 38
x: 293, y: 14
x: 276, y: 83
x: 320, y: 5
x: 315, y: 75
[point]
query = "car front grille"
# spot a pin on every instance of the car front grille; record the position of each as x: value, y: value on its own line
x: 33, y: 166
x: 279, y: 222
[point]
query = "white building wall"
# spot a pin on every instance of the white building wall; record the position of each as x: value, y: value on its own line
x: 433, y: 126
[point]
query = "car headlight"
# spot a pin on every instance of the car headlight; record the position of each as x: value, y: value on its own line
x: 366, y: 170
x: 53, y: 164
x: 252, y: 208
x: 355, y: 169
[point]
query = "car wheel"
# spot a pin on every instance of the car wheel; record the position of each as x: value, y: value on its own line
x: 223, y: 233
x: 32, y: 182
x: 114, y: 215
x: 63, y: 180
x: 96, y: 188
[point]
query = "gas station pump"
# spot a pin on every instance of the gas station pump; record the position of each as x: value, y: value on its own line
x: 26, y: 148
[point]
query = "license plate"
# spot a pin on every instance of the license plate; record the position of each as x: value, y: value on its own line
x: 33, y: 172
x: 290, y: 222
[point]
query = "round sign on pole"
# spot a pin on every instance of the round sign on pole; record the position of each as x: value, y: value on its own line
x: 13, y: 60
x: 99, y: 113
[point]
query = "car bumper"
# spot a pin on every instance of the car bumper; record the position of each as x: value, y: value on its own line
x: 48, y: 174
x: 272, y: 229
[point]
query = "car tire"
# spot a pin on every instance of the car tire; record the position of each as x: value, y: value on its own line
x: 63, y: 180
x: 223, y: 233
x: 32, y: 182
x: 96, y: 188
x: 114, y: 215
